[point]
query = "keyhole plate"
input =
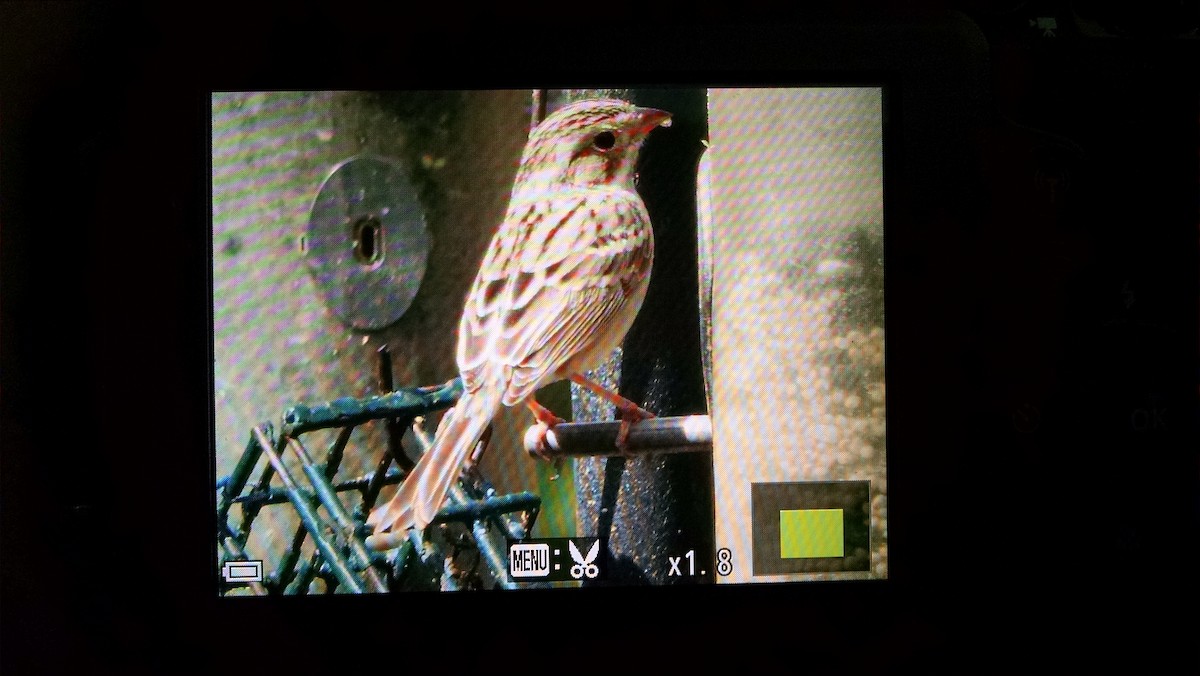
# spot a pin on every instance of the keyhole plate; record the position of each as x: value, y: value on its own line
x: 367, y: 283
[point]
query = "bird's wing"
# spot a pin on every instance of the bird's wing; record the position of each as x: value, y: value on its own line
x: 549, y: 286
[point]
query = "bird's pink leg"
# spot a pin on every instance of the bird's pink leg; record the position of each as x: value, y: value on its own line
x: 630, y: 412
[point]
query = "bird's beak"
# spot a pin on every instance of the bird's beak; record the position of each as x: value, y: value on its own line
x: 651, y: 118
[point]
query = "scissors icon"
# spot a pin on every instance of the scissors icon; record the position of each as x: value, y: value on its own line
x: 584, y: 566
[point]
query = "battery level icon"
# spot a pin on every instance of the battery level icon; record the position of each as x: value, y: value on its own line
x: 242, y: 571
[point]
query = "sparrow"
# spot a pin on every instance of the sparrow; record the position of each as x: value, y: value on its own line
x: 559, y: 286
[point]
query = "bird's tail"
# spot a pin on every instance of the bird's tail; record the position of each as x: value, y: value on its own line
x: 424, y: 489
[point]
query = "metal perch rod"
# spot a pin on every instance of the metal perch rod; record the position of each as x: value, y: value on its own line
x: 682, y: 434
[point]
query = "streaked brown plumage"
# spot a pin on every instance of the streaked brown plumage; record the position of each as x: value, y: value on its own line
x: 559, y: 286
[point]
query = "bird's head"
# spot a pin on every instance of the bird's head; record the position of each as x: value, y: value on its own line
x: 591, y: 143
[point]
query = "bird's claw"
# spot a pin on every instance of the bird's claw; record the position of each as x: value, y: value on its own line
x: 629, y: 415
x: 541, y: 449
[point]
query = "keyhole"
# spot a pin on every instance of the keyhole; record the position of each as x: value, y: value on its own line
x: 367, y: 233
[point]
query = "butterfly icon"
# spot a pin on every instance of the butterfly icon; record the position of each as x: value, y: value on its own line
x: 584, y: 566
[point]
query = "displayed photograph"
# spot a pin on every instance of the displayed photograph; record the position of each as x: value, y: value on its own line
x: 530, y: 339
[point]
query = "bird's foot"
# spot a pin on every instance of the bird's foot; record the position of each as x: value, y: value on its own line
x: 546, y: 420
x: 630, y: 414
x: 541, y: 448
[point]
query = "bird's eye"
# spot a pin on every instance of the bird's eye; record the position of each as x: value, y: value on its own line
x: 605, y: 140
